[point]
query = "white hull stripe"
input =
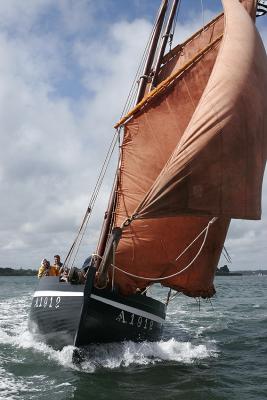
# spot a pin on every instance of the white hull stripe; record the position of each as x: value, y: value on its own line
x: 56, y: 293
x: 120, y: 306
x: 129, y: 309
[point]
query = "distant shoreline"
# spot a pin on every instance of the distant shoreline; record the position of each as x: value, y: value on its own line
x: 17, y: 272
x: 218, y: 273
x: 33, y: 272
x: 258, y: 272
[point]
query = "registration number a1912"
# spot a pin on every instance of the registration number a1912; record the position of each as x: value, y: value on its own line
x: 47, y: 302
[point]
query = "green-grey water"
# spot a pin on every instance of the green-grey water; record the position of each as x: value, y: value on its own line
x: 217, y: 352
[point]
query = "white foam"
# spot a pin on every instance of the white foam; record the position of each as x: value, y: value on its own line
x: 14, y: 332
x: 116, y: 355
x: 26, y: 340
x: 11, y: 387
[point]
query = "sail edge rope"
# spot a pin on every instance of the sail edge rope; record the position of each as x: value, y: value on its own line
x: 204, y: 231
x: 165, y: 83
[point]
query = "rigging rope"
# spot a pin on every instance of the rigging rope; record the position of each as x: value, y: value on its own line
x: 203, y: 20
x: 134, y: 87
x: 72, y: 254
x: 227, y: 255
x: 92, y: 201
x: 128, y: 104
x: 204, y: 231
x: 174, y: 25
x: 172, y: 297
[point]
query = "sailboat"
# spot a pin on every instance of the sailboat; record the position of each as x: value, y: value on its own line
x: 192, y: 157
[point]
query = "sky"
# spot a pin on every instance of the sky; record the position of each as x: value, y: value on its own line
x: 65, y: 72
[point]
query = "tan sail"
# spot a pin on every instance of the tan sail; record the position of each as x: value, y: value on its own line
x: 217, y: 167
x: 150, y: 247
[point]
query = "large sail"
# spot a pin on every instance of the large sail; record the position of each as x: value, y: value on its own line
x: 154, y: 247
x: 217, y: 167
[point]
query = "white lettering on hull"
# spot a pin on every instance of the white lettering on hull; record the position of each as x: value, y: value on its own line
x: 47, y: 302
x: 129, y: 309
x: 121, y: 318
x: 144, y: 315
x: 135, y: 320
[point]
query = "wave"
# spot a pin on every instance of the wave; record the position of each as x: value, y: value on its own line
x: 117, y: 355
x: 14, y: 332
x: 114, y: 355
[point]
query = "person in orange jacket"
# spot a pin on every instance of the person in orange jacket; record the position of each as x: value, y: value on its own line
x: 47, y: 270
x: 58, y: 264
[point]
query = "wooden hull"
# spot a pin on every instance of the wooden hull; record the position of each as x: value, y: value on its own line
x: 68, y: 314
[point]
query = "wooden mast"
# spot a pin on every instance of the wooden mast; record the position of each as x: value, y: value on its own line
x: 152, y: 51
x: 105, y: 247
x: 166, y: 36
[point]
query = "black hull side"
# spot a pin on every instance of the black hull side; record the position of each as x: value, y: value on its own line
x: 113, y: 318
x: 66, y: 314
x: 55, y: 312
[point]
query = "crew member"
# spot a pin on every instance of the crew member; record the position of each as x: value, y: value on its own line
x: 57, y: 264
x: 46, y: 269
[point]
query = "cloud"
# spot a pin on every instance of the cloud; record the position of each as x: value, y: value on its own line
x: 52, y: 145
x: 16, y: 244
x: 246, y: 240
x: 65, y: 73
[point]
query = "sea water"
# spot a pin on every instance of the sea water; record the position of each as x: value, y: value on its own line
x: 212, y: 350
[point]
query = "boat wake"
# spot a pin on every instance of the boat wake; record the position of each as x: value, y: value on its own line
x: 113, y: 355
x: 20, y: 343
x: 117, y: 355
